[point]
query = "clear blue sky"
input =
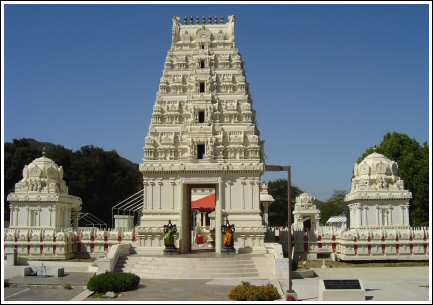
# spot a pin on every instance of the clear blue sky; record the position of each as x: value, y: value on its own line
x: 327, y: 81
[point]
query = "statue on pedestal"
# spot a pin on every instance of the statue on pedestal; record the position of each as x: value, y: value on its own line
x: 170, y: 231
x: 228, y: 231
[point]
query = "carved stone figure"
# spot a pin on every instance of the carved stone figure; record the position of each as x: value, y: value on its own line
x: 169, y: 235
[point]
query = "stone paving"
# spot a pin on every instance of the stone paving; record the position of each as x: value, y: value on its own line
x: 381, y: 284
x: 73, y: 278
x: 181, y: 290
x: 40, y: 293
x: 31, y: 288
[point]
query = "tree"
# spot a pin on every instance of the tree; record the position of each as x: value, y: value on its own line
x: 101, y: 178
x: 334, y: 206
x: 278, y: 210
x: 413, y: 162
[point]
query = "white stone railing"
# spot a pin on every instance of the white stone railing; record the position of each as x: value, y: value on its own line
x: 65, y: 244
x: 393, y: 243
x: 108, y: 263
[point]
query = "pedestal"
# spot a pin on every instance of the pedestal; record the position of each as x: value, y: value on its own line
x: 170, y: 251
x: 228, y: 250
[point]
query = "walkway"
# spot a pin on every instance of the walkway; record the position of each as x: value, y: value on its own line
x: 382, y: 284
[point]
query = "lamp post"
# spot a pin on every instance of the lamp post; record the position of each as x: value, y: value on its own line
x: 281, y: 168
x: 289, y: 225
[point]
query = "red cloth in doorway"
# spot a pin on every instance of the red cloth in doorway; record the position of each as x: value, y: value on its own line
x: 205, y: 204
x: 199, y: 239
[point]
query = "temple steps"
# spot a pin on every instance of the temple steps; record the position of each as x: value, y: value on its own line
x: 195, y: 267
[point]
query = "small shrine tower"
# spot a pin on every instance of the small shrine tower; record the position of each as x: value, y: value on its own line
x: 378, y: 198
x: 41, y: 199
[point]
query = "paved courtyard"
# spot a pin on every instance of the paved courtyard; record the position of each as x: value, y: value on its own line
x: 24, y: 293
x: 46, y: 289
x: 382, y: 284
x: 181, y: 290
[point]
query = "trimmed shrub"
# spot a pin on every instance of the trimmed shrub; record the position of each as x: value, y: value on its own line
x: 248, y: 292
x: 113, y: 281
x: 67, y: 286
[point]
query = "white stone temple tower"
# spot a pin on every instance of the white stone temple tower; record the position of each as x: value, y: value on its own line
x: 378, y: 198
x: 202, y: 133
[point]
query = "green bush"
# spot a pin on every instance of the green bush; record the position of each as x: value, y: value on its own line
x: 67, y: 286
x: 113, y: 281
x: 248, y: 292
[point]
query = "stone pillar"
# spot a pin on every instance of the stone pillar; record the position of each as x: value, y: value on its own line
x: 203, y: 219
x: 359, y: 211
x: 402, y: 215
x: 243, y: 194
x: 11, y: 216
x: 390, y: 215
x: 75, y: 215
x: 406, y: 215
x: 173, y: 185
x: 152, y: 184
x: 380, y: 212
x: 265, y: 213
x: 386, y: 211
x: 160, y: 183
x: 185, y: 233
x: 218, y: 217
x: 377, y: 215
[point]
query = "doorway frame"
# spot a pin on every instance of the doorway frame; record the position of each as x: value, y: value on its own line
x: 188, y: 212
x: 185, y: 240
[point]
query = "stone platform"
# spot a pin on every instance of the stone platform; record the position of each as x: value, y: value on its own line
x: 200, y: 265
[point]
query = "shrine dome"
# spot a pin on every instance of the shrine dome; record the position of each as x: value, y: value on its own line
x: 305, y: 198
x: 42, y: 175
x: 43, y: 167
x: 376, y: 164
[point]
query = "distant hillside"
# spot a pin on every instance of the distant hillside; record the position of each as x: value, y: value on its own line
x: 101, y: 178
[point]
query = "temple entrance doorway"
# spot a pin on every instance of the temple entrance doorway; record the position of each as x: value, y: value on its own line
x: 307, y: 224
x: 198, y: 218
x: 203, y: 200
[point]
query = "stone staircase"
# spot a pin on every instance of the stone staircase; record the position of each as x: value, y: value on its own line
x: 194, y: 266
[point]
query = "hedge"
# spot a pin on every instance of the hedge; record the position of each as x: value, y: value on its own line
x: 248, y: 292
x: 113, y: 281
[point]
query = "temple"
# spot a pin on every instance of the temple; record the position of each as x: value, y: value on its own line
x: 203, y: 161
x: 202, y: 133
